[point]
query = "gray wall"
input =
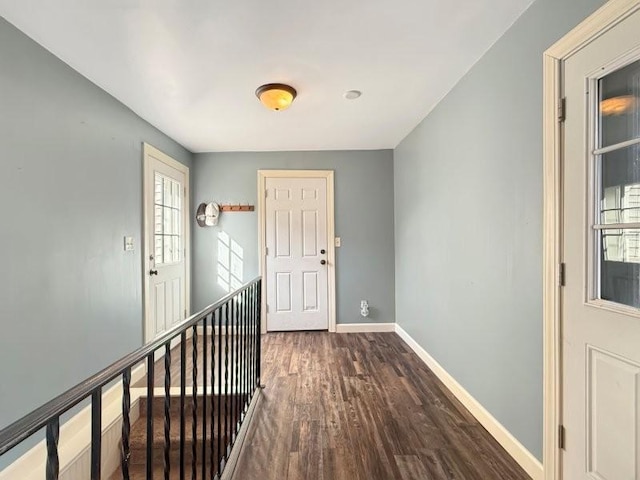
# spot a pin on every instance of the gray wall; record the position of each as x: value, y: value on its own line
x: 70, y: 190
x: 468, y: 212
x: 364, y: 221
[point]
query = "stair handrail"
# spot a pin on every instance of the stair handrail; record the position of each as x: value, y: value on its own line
x: 20, y: 430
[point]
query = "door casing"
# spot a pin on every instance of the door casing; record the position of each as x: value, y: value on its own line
x: 608, y: 16
x: 331, y: 252
x: 150, y: 153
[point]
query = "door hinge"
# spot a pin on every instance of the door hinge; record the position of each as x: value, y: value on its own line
x: 267, y: 308
x: 561, y: 274
x: 561, y: 436
x: 266, y: 251
x: 562, y: 109
x: 266, y: 193
x: 185, y: 313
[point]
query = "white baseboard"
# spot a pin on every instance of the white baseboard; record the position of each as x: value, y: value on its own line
x: 75, y: 434
x: 236, y: 451
x: 520, y: 454
x: 365, y: 327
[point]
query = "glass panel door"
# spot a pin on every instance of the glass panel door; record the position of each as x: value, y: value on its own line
x: 616, y: 226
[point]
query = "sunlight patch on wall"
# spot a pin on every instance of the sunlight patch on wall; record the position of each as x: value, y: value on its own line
x: 230, y: 263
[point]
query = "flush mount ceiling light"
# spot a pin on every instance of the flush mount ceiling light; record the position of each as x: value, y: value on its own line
x: 276, y: 96
x: 618, y: 105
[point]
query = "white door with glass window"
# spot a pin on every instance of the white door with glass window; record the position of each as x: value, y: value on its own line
x: 601, y: 251
x: 166, y: 238
x: 296, y: 254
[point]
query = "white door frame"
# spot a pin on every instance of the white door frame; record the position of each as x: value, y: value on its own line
x: 610, y: 14
x: 149, y: 153
x: 262, y: 225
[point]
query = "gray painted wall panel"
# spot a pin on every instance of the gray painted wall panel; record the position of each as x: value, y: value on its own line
x: 364, y: 221
x: 70, y: 190
x: 468, y: 212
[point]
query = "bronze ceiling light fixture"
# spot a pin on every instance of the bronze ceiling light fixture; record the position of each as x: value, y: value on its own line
x: 276, y: 96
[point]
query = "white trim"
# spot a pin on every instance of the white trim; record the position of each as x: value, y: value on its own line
x: 75, y: 450
x: 520, y: 454
x: 365, y: 327
x: 609, y: 15
x: 331, y: 257
x: 149, y: 153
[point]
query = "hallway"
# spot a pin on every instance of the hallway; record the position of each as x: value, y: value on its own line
x: 361, y: 407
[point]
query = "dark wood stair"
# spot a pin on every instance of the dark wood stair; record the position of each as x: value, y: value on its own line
x: 138, y: 437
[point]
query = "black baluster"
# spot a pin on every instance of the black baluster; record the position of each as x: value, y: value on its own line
x: 237, y: 365
x: 126, y: 423
x: 251, y: 342
x: 258, y: 335
x: 167, y: 410
x: 230, y: 412
x: 249, y: 336
x: 53, y: 436
x: 243, y: 370
x: 248, y: 340
x: 96, y: 433
x: 183, y: 394
x: 194, y: 402
x: 226, y: 381
x: 254, y: 321
x: 247, y: 352
x: 219, y: 451
x: 204, y: 398
x: 150, y: 397
x: 213, y: 390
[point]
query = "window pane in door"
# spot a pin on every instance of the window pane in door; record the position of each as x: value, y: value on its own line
x: 167, y: 220
x: 620, y: 266
x: 619, y: 108
x: 158, y: 189
x: 158, y: 250
x: 620, y: 186
x: 176, y: 248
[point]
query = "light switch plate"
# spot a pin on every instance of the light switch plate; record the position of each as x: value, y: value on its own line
x: 338, y: 242
x: 128, y: 244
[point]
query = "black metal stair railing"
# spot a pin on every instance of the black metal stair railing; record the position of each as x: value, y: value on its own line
x: 225, y: 346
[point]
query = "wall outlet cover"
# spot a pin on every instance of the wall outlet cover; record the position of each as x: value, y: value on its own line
x: 128, y: 244
x: 338, y: 242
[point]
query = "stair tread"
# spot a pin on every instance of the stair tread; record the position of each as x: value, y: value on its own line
x: 139, y: 472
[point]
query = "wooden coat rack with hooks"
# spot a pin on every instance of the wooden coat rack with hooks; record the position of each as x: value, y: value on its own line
x: 237, y: 208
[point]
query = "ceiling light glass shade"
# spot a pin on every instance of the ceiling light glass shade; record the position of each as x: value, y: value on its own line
x: 276, y: 96
x: 618, y: 105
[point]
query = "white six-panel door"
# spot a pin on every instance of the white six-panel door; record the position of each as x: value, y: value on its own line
x: 601, y: 251
x: 296, y: 254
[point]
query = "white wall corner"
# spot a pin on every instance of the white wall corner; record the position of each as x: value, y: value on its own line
x: 520, y: 454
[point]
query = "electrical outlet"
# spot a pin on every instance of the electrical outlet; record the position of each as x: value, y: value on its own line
x: 338, y: 242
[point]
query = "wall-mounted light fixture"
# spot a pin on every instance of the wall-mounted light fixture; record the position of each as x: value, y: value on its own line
x: 276, y: 96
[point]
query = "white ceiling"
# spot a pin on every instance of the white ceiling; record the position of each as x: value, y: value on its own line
x: 190, y: 67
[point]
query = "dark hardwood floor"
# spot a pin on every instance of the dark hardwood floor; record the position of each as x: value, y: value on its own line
x: 361, y: 407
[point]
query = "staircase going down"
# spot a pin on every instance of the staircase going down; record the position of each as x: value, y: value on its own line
x: 138, y: 437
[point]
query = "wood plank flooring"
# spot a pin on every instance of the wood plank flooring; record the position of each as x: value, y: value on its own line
x: 361, y: 407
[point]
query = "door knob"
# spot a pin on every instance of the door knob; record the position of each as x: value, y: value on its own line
x: 323, y: 251
x: 323, y: 262
x: 153, y: 272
